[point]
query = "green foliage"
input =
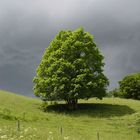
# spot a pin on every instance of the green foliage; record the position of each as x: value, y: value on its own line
x: 71, y: 69
x: 114, y: 93
x: 130, y: 86
x: 44, y: 105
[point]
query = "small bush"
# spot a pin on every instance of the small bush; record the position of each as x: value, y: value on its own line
x: 44, y: 105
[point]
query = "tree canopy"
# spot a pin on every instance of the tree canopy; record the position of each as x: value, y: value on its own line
x: 71, y: 69
x: 130, y: 86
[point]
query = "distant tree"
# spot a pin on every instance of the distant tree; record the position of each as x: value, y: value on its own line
x: 130, y: 86
x: 114, y: 93
x: 71, y: 69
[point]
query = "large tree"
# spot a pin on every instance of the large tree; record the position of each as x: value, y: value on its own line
x: 71, y: 69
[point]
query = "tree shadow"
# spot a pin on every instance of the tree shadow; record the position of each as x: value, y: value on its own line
x: 101, y: 110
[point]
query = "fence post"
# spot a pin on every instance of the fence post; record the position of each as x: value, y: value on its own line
x: 18, y: 125
x: 61, y: 130
x: 98, y: 137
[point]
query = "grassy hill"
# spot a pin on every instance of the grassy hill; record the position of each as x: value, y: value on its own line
x: 109, y: 119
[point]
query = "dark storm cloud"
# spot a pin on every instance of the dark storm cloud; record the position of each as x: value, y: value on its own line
x: 22, y: 74
x: 27, y: 27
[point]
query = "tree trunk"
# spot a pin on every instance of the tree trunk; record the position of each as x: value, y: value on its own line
x: 72, y: 104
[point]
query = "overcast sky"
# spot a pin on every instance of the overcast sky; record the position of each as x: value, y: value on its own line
x: 28, y: 26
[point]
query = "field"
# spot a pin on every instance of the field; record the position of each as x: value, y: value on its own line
x: 21, y: 118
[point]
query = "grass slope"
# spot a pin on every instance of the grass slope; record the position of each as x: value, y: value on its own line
x: 107, y: 119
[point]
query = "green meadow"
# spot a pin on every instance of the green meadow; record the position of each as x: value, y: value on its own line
x: 21, y: 118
